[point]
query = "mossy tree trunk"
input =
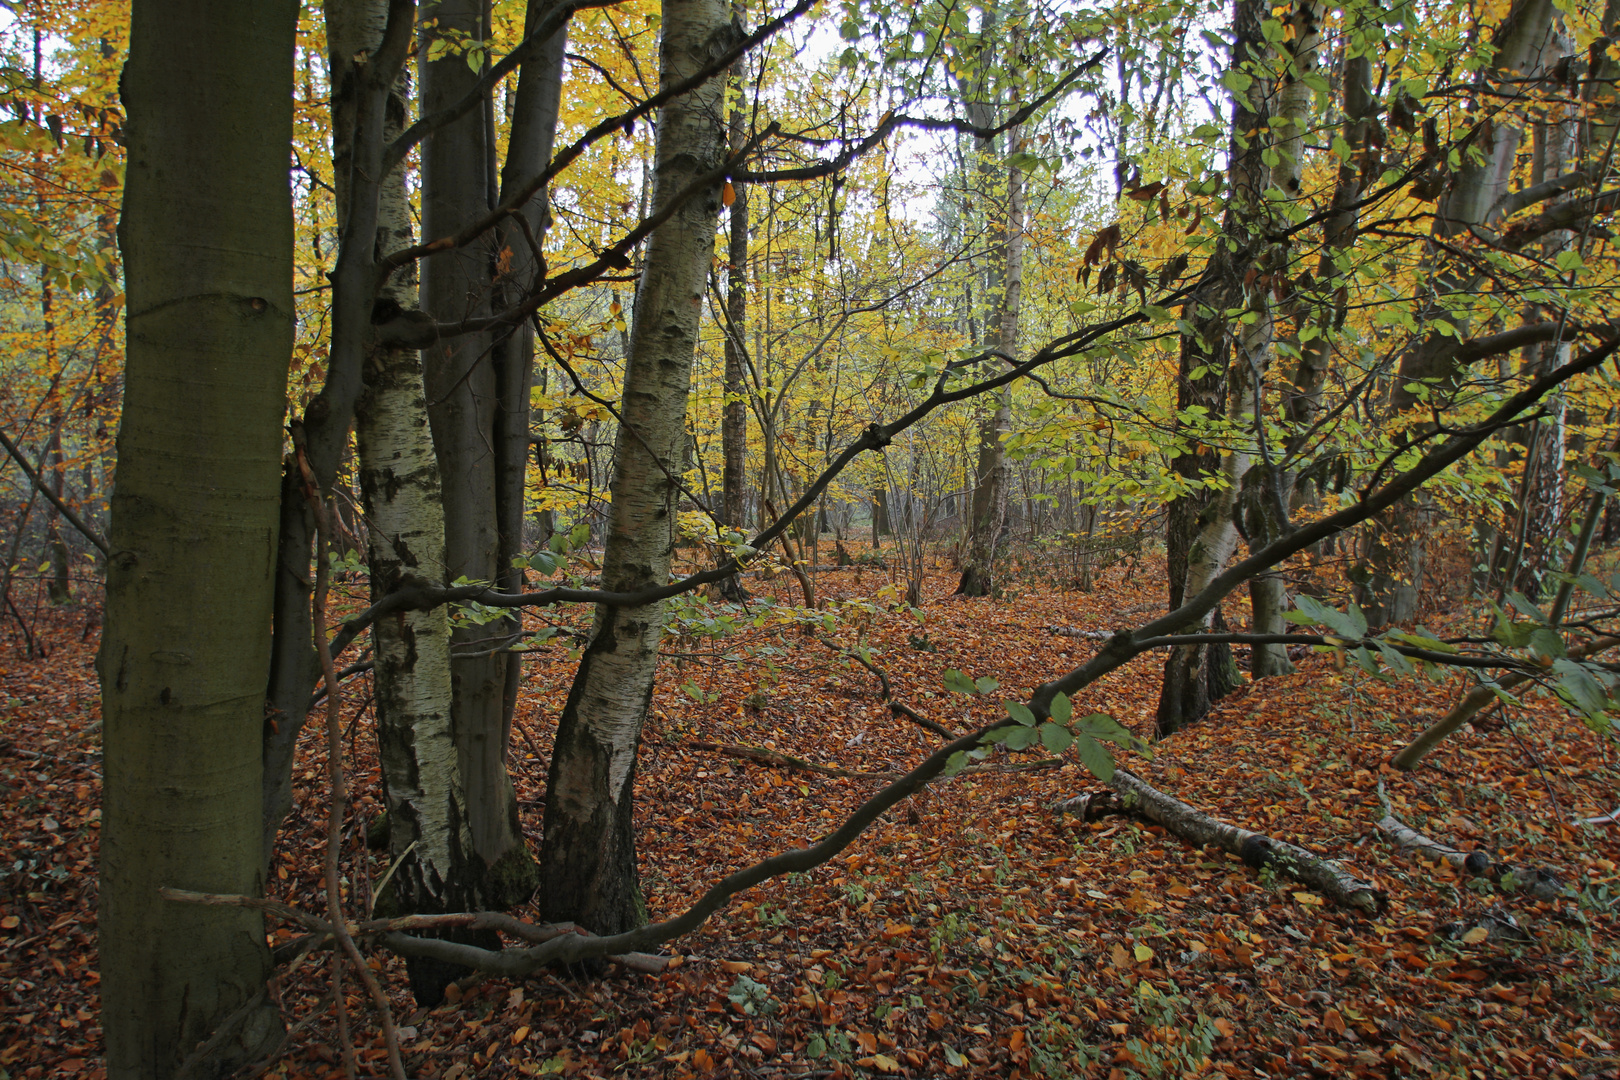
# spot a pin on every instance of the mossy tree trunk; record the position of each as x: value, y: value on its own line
x: 207, y: 240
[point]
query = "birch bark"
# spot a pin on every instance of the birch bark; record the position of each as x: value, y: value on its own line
x: 588, y: 857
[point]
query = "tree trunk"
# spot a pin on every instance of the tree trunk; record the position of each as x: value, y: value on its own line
x: 1542, y: 508
x: 589, y: 854
x: 1268, y: 488
x: 1203, y: 526
x: 529, y: 147
x: 734, y: 407
x: 880, y: 515
x: 436, y: 870
x: 1003, y: 294
x: 207, y: 239
x: 1388, y: 574
x: 464, y: 396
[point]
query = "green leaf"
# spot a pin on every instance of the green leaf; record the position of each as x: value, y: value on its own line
x: 1421, y: 641
x: 1546, y: 641
x: 543, y: 563
x: 1062, y: 709
x: 1577, y: 686
x: 1020, y: 713
x: 1522, y: 604
x: 1515, y: 635
x: 1589, y: 584
x: 1102, y: 726
x: 985, y: 685
x: 1501, y: 695
x: 1025, y: 162
x: 1055, y: 737
x: 1096, y: 758
x: 958, y: 683
x: 1351, y: 624
x: 954, y: 764
x: 1021, y: 738
x: 1396, y: 660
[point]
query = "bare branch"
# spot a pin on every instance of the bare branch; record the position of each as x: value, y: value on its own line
x: 62, y: 508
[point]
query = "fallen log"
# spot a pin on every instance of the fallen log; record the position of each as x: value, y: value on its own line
x: 1535, y: 881
x: 1473, y: 863
x: 1075, y: 632
x: 1324, y: 876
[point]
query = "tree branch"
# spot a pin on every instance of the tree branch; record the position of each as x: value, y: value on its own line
x: 62, y: 508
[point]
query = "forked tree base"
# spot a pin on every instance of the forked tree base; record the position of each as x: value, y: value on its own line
x: 1195, y: 677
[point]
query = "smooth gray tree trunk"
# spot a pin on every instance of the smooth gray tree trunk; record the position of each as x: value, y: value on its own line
x: 464, y: 395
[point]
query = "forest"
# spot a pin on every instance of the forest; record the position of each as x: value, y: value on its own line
x: 790, y: 539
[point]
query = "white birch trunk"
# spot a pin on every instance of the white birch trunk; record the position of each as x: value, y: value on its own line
x: 399, y: 482
x: 588, y: 857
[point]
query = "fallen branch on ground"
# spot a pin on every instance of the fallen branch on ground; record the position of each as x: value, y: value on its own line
x: 1137, y: 797
x: 1539, y: 883
x: 321, y: 930
x: 898, y: 708
x: 761, y: 756
x: 1473, y: 863
x: 785, y: 761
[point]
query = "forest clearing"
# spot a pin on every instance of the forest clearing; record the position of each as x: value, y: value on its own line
x: 783, y: 538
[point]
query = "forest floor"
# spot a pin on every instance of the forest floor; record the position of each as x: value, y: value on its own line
x: 975, y: 931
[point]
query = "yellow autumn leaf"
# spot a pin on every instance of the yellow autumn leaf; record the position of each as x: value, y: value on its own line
x: 1476, y: 935
x: 1143, y: 954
